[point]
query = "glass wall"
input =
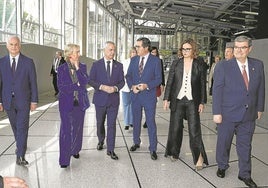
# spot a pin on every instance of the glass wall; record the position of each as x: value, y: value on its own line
x: 56, y: 23
x: 101, y: 28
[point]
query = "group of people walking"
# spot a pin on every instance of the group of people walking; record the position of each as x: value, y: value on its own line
x: 238, y: 100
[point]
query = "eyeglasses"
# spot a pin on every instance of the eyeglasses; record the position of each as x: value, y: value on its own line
x: 186, y: 49
x: 241, y: 48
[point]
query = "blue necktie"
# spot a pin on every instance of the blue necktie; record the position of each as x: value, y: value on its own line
x: 108, y: 70
x: 13, y: 65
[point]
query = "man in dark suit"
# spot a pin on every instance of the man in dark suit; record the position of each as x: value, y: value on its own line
x: 107, y: 78
x: 143, y: 76
x: 57, y: 61
x: 18, y: 93
x: 238, y: 100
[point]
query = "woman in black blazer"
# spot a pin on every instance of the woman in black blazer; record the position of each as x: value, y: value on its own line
x: 186, y: 92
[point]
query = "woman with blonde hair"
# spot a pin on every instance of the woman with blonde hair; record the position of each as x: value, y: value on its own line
x: 73, y: 102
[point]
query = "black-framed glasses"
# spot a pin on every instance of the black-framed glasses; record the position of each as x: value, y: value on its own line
x: 186, y: 49
x: 241, y: 48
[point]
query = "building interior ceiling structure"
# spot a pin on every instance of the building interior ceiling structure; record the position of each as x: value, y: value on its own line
x: 218, y: 18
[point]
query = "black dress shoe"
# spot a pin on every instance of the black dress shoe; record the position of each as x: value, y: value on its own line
x: 76, y: 156
x: 100, y: 146
x: 221, y: 173
x: 248, y: 181
x: 126, y: 127
x: 112, y: 155
x: 21, y: 161
x: 134, y: 147
x: 130, y: 125
x: 145, y: 125
x: 63, y: 166
x: 153, y: 155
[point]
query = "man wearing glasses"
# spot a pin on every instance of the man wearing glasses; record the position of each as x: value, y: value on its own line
x: 143, y: 76
x: 238, y: 100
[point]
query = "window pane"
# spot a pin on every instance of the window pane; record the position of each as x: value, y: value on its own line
x: 52, y: 39
x: 92, y: 47
x: 69, y: 34
x: 30, y: 21
x: 7, y: 19
x: 52, y: 23
x: 69, y: 11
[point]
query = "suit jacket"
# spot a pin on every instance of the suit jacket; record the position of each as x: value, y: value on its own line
x: 231, y: 99
x: 52, y: 71
x: 23, y: 83
x: 97, y: 77
x: 151, y: 75
x: 175, y: 78
x: 67, y: 88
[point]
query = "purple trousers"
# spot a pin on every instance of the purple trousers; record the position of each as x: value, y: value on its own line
x: 71, y: 134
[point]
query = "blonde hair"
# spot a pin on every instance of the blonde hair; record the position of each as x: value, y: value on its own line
x: 69, y: 49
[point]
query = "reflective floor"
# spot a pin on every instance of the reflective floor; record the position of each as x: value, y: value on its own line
x: 133, y: 169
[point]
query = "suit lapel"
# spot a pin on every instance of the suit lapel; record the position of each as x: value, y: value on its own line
x: 251, y: 72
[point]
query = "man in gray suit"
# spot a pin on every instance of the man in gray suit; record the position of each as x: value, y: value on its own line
x: 238, y: 100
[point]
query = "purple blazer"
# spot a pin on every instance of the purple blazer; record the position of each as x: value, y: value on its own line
x: 67, y: 88
x: 97, y: 76
x: 23, y: 83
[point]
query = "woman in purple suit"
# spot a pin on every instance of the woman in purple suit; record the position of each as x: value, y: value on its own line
x: 73, y: 102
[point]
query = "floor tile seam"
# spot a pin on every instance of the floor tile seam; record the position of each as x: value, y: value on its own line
x: 129, y: 155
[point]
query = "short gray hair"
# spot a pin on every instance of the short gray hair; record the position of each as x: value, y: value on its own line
x: 244, y: 38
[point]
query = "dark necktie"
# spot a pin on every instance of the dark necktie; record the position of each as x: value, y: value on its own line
x: 108, y: 70
x: 13, y: 65
x: 245, y: 76
x: 141, y: 66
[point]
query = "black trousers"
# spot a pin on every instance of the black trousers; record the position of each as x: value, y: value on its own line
x: 185, y: 109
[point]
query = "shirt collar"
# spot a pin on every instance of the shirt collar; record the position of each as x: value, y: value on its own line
x: 240, y: 64
x: 16, y: 58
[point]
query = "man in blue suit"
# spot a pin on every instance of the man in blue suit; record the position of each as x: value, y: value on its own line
x: 18, y: 93
x: 238, y: 100
x: 107, y: 78
x: 143, y: 76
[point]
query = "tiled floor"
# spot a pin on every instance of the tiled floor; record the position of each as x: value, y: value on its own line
x: 133, y: 169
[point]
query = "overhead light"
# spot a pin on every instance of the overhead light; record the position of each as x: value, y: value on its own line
x: 241, y: 32
x: 250, y: 13
x: 143, y: 12
x: 246, y: 19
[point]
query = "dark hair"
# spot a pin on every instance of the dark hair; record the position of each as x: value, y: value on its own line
x: 155, y: 48
x: 145, y: 42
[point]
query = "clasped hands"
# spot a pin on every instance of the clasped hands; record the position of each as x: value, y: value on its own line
x: 139, y: 87
x: 108, y: 89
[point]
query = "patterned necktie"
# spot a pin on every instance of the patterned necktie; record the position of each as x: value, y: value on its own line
x: 108, y: 70
x: 141, y: 66
x: 245, y: 76
x: 13, y: 65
